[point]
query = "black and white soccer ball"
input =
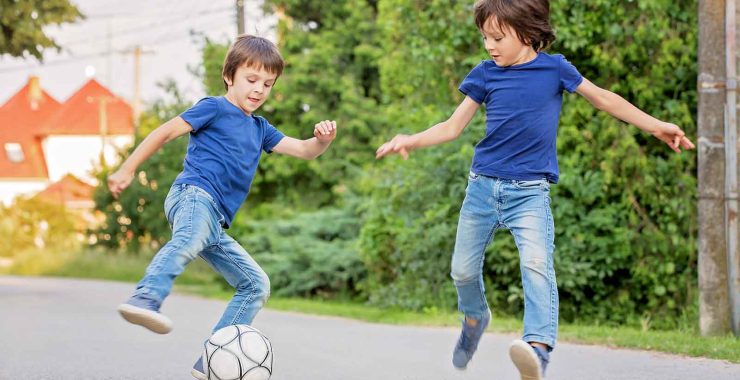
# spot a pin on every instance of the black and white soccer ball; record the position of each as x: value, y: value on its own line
x: 238, y: 352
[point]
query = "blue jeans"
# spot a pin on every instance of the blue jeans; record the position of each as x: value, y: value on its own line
x: 523, y: 207
x: 197, y: 231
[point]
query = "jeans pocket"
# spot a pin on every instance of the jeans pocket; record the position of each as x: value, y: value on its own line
x: 173, y: 196
x: 533, y: 184
x: 472, y: 176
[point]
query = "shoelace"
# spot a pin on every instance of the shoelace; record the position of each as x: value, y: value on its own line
x: 464, y: 342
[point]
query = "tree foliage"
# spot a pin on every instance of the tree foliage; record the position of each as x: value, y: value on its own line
x: 137, y: 218
x: 22, y: 23
x: 33, y: 223
x: 331, y: 73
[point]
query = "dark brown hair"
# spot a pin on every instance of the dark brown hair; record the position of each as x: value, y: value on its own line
x: 254, y: 52
x: 530, y: 19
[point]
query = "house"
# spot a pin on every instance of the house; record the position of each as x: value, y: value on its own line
x: 42, y: 141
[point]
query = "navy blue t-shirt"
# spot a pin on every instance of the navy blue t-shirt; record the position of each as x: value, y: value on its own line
x: 223, y: 152
x: 522, y: 112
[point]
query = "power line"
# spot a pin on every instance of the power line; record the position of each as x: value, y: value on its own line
x: 161, y: 41
x: 148, y: 27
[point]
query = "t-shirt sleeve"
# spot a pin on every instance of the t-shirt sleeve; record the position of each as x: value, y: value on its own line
x: 474, y: 85
x: 570, y: 78
x: 201, y: 114
x: 271, y: 137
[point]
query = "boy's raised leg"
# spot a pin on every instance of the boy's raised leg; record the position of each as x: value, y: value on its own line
x: 195, y: 225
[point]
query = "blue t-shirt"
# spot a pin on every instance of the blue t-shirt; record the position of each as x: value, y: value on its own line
x: 522, y: 112
x: 223, y: 152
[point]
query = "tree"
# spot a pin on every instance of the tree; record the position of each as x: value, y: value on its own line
x: 22, y: 23
x: 137, y: 218
x: 331, y: 73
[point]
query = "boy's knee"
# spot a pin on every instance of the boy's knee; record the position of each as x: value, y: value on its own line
x: 463, y: 274
x: 535, y: 265
x: 259, y: 287
x: 264, y: 291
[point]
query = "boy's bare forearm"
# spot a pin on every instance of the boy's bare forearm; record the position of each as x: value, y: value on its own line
x: 435, y: 135
x: 623, y: 110
x: 314, y: 148
x: 151, y: 144
x: 154, y: 141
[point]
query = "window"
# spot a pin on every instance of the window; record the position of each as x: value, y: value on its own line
x: 14, y: 152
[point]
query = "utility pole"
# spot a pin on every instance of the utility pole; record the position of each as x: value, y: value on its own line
x: 137, y: 51
x: 719, y: 263
x: 240, y: 17
x: 731, y: 166
x: 102, y: 122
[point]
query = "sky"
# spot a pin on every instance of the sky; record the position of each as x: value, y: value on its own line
x: 102, y: 42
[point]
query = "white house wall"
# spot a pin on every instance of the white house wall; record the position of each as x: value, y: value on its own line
x: 80, y: 155
x: 9, y: 189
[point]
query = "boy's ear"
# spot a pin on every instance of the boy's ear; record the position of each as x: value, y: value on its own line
x: 228, y: 81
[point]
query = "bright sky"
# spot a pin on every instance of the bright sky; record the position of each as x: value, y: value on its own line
x: 99, y: 45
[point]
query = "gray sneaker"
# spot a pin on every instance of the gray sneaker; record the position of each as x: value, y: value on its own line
x: 198, y: 371
x: 531, y: 361
x: 468, y: 341
x: 144, y: 311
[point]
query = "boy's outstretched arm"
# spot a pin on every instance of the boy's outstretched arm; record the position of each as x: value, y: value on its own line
x: 167, y: 132
x: 324, y: 133
x: 618, y: 107
x: 443, y: 132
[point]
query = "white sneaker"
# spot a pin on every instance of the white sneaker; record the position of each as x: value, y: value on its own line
x: 152, y: 320
x: 526, y: 360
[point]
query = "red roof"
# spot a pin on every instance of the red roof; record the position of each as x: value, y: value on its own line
x: 21, y: 118
x: 67, y: 189
x: 31, y: 115
x: 79, y: 115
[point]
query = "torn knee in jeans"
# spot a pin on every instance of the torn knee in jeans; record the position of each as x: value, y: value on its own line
x: 536, y: 265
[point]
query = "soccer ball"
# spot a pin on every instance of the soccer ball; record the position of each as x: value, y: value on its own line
x: 237, y: 352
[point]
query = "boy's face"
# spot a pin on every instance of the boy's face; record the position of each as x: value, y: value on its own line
x: 250, y: 87
x: 504, y: 46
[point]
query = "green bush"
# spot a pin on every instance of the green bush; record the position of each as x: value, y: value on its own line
x: 306, y: 254
x: 32, y: 223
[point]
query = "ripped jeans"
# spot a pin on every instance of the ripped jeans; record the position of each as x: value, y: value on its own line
x: 523, y: 207
x: 197, y: 231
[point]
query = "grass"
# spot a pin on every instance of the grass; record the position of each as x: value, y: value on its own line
x: 200, y: 280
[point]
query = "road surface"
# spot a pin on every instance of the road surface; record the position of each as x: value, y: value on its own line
x: 69, y: 329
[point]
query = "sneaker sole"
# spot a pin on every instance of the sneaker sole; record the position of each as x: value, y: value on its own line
x: 525, y: 360
x: 198, y: 375
x: 155, y: 322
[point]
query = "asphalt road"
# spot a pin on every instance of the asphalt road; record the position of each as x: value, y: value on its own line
x: 68, y: 329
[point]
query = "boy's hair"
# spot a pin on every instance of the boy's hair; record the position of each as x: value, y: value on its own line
x: 530, y: 19
x: 254, y: 52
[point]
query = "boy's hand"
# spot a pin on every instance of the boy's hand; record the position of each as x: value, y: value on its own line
x: 325, y: 131
x: 672, y: 135
x: 401, y: 144
x: 119, y: 181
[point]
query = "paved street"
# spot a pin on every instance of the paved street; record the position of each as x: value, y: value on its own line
x: 69, y: 329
